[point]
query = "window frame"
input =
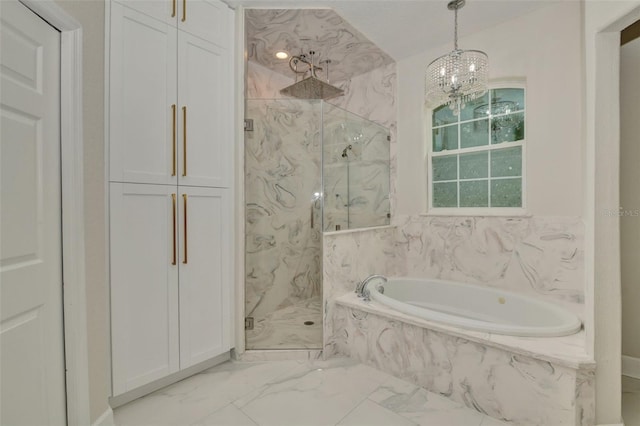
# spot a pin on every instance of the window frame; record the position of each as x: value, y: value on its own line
x: 477, y: 211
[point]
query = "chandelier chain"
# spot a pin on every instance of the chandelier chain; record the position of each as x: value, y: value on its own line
x: 455, y: 29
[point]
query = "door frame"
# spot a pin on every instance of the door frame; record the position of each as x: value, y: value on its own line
x: 72, y: 185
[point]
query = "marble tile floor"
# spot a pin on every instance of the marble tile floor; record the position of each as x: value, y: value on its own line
x: 286, y: 329
x: 630, y: 401
x: 339, y: 391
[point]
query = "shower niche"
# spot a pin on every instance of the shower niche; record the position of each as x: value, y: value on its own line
x: 310, y: 167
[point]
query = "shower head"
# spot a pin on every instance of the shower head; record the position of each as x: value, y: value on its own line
x: 311, y: 88
x: 344, y: 151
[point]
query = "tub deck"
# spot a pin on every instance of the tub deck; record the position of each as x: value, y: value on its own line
x: 568, y: 351
x: 518, y: 380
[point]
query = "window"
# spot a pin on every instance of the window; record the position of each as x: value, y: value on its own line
x: 476, y: 157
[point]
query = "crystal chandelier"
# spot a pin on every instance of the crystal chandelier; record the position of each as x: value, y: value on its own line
x: 459, y: 76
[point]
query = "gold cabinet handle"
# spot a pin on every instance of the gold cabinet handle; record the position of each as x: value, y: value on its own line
x: 184, y: 10
x: 184, y: 141
x: 173, y: 145
x: 173, y: 199
x: 173, y: 9
x: 184, y: 198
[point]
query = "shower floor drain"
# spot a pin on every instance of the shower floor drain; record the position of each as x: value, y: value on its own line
x: 309, y: 323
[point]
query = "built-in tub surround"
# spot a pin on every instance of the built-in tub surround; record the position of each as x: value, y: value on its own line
x: 522, y: 380
x: 519, y: 380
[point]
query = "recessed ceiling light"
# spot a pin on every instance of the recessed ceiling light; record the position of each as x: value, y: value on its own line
x: 282, y: 55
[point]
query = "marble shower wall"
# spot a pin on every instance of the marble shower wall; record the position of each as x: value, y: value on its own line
x: 282, y: 172
x: 262, y: 83
x: 355, y: 168
x: 373, y: 96
x: 538, y: 256
x: 349, y: 257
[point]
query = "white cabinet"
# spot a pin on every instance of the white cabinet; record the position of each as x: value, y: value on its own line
x: 170, y: 92
x: 144, y: 285
x: 170, y: 279
x: 205, y: 253
x: 143, y: 94
x: 207, y: 19
x: 204, y: 98
x: 171, y: 167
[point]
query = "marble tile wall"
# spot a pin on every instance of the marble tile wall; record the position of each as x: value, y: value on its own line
x: 320, y: 30
x: 514, y: 388
x: 373, y: 96
x: 541, y: 257
x: 262, y: 83
x: 369, y: 197
x: 283, y: 238
x: 348, y: 257
x: 355, y: 171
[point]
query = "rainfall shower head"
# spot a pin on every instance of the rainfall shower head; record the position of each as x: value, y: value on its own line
x: 311, y: 88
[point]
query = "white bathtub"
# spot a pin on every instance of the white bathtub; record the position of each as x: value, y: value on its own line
x: 474, y: 307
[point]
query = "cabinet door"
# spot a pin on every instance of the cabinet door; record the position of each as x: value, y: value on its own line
x: 143, y: 90
x: 205, y: 274
x: 210, y: 20
x: 163, y: 10
x: 144, y: 284
x: 205, y: 100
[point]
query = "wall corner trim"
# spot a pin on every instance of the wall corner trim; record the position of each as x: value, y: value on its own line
x: 631, y: 366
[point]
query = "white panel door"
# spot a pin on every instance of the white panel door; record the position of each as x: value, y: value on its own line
x: 143, y: 110
x: 205, y: 255
x: 208, y: 19
x: 31, y: 328
x: 204, y: 95
x: 144, y: 284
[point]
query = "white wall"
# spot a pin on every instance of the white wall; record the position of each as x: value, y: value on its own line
x: 603, y: 21
x: 544, y: 47
x: 90, y: 14
x: 630, y: 196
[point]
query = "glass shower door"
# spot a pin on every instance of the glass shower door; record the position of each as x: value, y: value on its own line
x: 283, y: 220
x: 356, y: 171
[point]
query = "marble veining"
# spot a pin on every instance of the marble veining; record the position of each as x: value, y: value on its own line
x: 539, y: 256
x: 296, y: 393
x: 283, y: 247
x: 320, y: 30
x: 294, y: 327
x: 514, y: 388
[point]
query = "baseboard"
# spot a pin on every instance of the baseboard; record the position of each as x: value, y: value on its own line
x: 106, y: 419
x: 612, y: 424
x: 117, y: 401
x: 631, y: 366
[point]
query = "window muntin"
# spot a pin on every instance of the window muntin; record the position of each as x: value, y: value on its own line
x: 476, y: 158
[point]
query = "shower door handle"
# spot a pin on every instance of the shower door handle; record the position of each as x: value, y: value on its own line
x: 312, y: 215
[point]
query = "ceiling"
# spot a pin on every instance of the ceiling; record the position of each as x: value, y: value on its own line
x: 322, y: 31
x: 403, y: 28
